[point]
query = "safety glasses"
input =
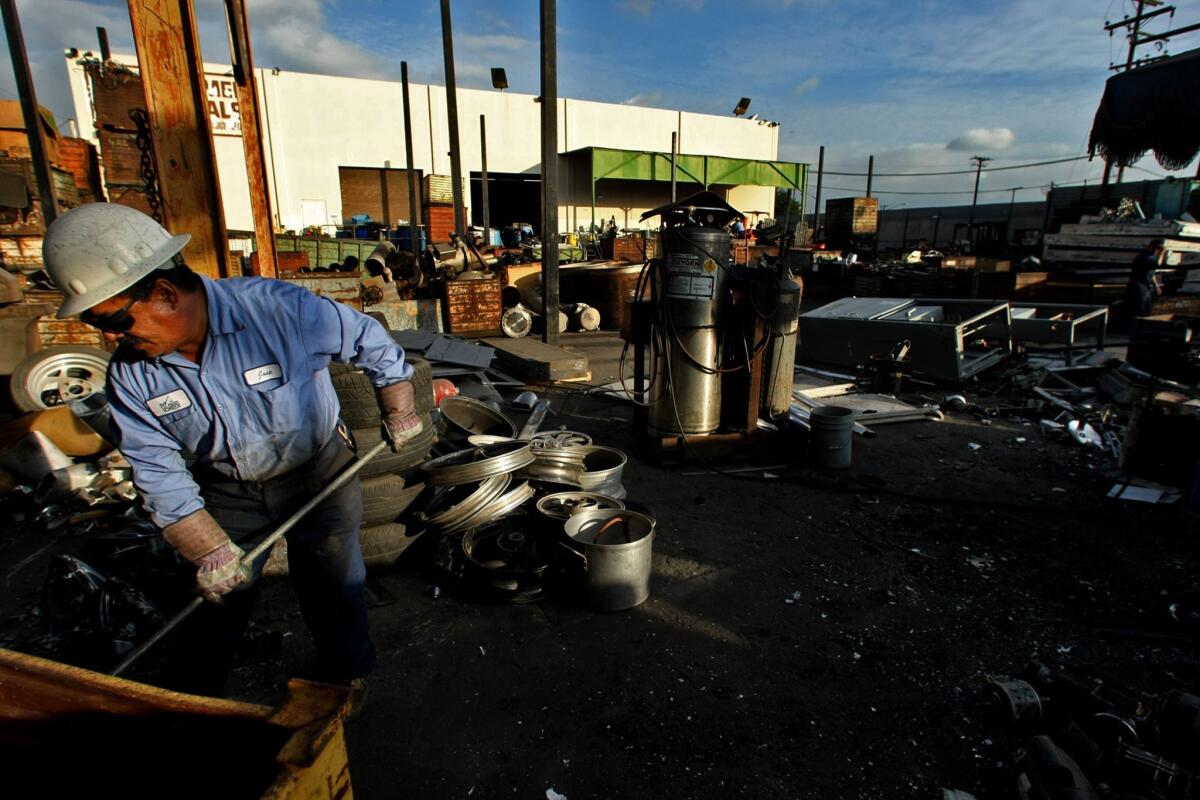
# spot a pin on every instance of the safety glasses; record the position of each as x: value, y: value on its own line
x: 119, y: 321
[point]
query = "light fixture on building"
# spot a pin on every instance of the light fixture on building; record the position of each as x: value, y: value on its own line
x: 741, y: 107
x: 499, y: 79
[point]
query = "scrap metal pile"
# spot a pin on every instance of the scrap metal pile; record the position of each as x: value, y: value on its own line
x: 1083, y: 739
x: 499, y: 510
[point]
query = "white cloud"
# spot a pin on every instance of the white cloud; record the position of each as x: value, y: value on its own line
x: 649, y: 99
x: 806, y: 85
x: 982, y: 139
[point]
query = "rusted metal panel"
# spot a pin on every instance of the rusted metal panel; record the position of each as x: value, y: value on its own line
x: 342, y: 287
x: 21, y: 253
x: 51, y: 331
x: 172, y: 73
x: 410, y: 315
x: 473, y: 306
x: 114, y: 92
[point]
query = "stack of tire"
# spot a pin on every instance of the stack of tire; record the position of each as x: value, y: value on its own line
x: 386, y: 494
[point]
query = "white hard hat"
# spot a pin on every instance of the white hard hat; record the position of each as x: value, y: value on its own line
x: 99, y: 250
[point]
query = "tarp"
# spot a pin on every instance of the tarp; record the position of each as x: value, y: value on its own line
x: 1151, y: 108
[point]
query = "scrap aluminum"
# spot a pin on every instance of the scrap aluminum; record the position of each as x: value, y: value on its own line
x: 470, y: 511
x: 478, y: 463
x: 561, y: 505
x: 559, y: 438
x: 602, y: 469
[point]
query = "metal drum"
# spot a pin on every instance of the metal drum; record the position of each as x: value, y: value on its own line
x: 780, y: 364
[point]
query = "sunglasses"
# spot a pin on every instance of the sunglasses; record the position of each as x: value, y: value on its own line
x: 119, y: 321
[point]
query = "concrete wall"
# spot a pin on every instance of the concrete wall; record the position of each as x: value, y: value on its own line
x: 312, y: 124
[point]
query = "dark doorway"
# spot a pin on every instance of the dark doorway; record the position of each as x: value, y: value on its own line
x: 512, y: 197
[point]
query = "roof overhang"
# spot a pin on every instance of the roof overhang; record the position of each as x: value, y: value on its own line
x: 646, y: 165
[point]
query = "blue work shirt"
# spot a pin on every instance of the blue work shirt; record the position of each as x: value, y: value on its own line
x: 257, y: 405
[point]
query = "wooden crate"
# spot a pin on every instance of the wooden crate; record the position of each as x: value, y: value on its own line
x: 472, y: 307
x: 851, y: 217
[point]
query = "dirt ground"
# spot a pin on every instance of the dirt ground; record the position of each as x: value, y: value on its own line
x: 803, y: 638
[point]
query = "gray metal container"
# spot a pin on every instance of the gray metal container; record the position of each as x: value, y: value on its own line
x: 692, y: 285
x: 780, y: 364
x: 616, y: 561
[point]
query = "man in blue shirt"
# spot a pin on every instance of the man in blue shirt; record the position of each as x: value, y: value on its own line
x: 222, y: 402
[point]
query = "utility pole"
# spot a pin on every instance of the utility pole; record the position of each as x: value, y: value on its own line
x: 487, y: 222
x: 817, y: 200
x: 979, y: 162
x: 30, y: 112
x: 1012, y: 199
x: 460, y: 216
x: 870, y: 173
x: 549, y: 48
x: 414, y: 213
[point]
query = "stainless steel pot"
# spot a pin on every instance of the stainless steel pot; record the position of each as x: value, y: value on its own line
x: 614, y: 549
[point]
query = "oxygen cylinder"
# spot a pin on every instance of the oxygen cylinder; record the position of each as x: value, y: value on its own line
x: 780, y: 356
x: 691, y: 286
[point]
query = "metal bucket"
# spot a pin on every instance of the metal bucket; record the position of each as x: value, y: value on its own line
x: 831, y: 429
x: 615, y: 556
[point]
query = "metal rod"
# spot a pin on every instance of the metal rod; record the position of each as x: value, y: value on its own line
x: 460, y: 217
x: 487, y: 222
x: 674, y: 159
x: 29, y: 110
x: 535, y: 420
x: 341, y: 480
x: 817, y: 199
x: 870, y: 173
x: 413, y: 211
x: 549, y: 36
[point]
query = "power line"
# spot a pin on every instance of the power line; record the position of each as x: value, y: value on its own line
x: 957, y: 171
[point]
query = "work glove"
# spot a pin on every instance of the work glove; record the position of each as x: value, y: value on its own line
x: 398, y: 413
x: 200, y: 540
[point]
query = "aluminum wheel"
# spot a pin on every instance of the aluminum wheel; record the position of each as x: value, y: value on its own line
x: 55, y: 375
x: 559, y: 438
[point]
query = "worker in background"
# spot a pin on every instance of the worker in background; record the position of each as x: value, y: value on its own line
x: 222, y: 403
x: 1143, y: 284
x: 739, y: 228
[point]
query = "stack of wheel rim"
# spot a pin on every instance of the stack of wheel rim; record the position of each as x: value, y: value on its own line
x: 386, y: 492
x: 476, y: 486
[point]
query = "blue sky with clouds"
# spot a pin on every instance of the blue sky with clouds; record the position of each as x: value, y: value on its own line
x: 921, y: 84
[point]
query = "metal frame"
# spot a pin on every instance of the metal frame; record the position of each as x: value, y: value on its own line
x: 948, y: 336
x: 1058, y: 323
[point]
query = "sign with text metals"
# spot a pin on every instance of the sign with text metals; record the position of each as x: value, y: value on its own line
x: 223, y: 113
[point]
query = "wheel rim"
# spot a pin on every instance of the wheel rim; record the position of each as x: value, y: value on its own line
x: 66, y: 376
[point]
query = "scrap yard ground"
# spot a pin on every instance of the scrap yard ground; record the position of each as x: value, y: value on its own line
x: 805, y: 637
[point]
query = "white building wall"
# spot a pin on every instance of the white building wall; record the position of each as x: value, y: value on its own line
x: 312, y: 124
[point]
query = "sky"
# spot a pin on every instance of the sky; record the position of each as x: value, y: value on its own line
x: 923, y: 85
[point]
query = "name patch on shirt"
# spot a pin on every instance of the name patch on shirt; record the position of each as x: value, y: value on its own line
x: 267, y: 372
x: 169, y: 403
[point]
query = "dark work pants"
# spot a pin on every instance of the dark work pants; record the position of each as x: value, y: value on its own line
x: 324, y: 563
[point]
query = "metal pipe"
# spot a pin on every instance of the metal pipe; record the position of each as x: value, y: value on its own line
x: 817, y: 200
x: 460, y: 217
x: 870, y: 173
x: 29, y: 110
x: 674, y: 158
x: 487, y: 230
x: 535, y: 420
x: 549, y: 36
x: 413, y: 210
x: 247, y: 560
x: 105, y: 52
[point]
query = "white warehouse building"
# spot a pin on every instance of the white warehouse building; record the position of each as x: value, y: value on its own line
x: 335, y: 148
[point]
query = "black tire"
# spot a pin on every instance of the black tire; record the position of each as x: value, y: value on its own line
x: 385, y: 498
x: 383, y: 544
x: 356, y: 394
x: 410, y: 455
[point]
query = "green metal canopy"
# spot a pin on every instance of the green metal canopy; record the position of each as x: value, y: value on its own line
x: 644, y: 165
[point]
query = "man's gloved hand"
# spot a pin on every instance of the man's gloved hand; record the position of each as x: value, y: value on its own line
x: 399, y: 414
x: 200, y: 540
